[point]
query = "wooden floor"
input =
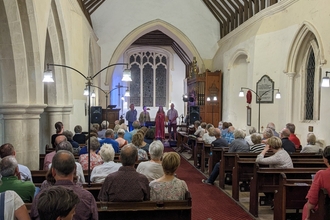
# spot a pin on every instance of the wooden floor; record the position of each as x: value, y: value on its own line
x: 265, y: 213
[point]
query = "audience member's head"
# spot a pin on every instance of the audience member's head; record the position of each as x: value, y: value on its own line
x: 256, y: 138
x: 123, y: 126
x: 58, y: 127
x: 77, y: 129
x: 121, y: 121
x: 137, y: 139
x: 121, y: 132
x: 128, y: 155
x: 252, y: 130
x: 326, y: 153
x: 109, y: 133
x: 170, y: 162
x: 203, y: 125
x: 239, y: 133
x: 136, y: 124
x: 197, y: 123
x: 107, y: 153
x: 150, y: 134
x: 95, y: 144
x: 59, y: 139
x: 271, y: 125
x: 211, y: 131
x: 104, y: 124
x: 274, y: 143
x: 96, y: 126
x: 144, y: 130
x: 291, y: 127
x: 217, y: 133
x: 225, y: 125
x: 64, y: 145
x: 68, y: 134
x: 285, y: 133
x: 156, y: 150
x: 7, y: 149
x: 57, y: 202
x: 268, y: 133
x: 311, y: 139
x: 8, y: 166
x: 63, y: 164
x: 231, y: 129
x: 208, y: 126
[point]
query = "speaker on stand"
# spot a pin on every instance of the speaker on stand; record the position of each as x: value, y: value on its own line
x: 193, y: 114
x: 96, y: 114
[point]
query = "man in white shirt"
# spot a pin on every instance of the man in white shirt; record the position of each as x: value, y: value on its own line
x: 172, y: 115
x: 8, y: 150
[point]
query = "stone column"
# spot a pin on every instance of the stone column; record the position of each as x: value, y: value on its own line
x: 290, y: 97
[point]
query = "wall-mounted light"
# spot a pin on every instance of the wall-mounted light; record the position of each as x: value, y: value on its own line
x: 93, y: 94
x: 86, y: 92
x: 326, y: 80
x: 127, y: 93
x: 126, y: 76
x: 48, y: 75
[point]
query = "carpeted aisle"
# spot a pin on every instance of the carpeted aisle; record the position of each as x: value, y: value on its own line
x: 208, y: 202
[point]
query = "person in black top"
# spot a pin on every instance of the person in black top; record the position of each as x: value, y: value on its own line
x: 286, y: 143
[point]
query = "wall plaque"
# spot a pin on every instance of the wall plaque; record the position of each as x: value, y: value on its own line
x: 265, y: 89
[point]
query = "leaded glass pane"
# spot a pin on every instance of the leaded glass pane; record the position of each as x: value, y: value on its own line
x: 135, y: 85
x: 138, y: 59
x: 157, y: 59
x: 309, y: 102
x: 161, y: 85
x: 148, y: 83
x: 131, y: 59
x: 145, y: 59
x: 164, y: 60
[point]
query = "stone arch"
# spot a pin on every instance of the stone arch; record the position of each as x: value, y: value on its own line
x: 238, y: 53
x: 156, y: 24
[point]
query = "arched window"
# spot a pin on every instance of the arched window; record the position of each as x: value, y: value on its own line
x: 309, y: 94
x: 149, y: 77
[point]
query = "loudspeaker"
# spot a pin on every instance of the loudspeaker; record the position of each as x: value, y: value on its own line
x: 193, y: 114
x: 96, y: 114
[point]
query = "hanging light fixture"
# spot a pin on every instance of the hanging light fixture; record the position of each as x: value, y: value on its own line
x: 241, y: 93
x: 85, y: 92
x: 48, y: 75
x: 93, y: 94
x: 127, y: 94
x: 278, y: 95
x: 326, y: 80
x: 126, y: 76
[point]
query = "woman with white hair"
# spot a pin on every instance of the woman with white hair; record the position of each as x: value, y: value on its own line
x: 239, y: 144
x: 120, y: 138
x: 153, y: 169
x: 100, y: 172
x: 312, y: 146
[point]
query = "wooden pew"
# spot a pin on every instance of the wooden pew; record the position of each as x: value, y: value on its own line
x: 290, y: 194
x: 267, y: 180
x: 197, y: 150
x: 323, y: 211
x: 216, y: 154
x: 206, y: 150
x: 42, y: 160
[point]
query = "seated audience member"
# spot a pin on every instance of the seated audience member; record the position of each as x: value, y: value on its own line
x: 69, y: 136
x: 168, y: 187
x: 224, y: 130
x: 126, y: 184
x: 127, y: 135
x: 138, y: 141
x: 219, y: 141
x: 66, y: 145
x: 293, y: 137
x: 79, y: 137
x: 239, y: 144
x: 109, y: 139
x: 311, y: 146
x: 63, y: 170
x: 13, y: 206
x: 100, y: 172
x: 10, y: 179
x: 136, y: 126
x: 57, y: 203
x: 229, y: 135
x: 104, y: 126
x: 120, y: 138
x: 208, y: 136
x: 96, y: 126
x: 252, y: 130
x: 257, y: 146
x: 198, y: 129
x: 150, y: 136
x: 268, y: 133
x: 321, y: 180
x: 271, y: 125
x: 95, y: 158
x: 49, y: 156
x: 59, y: 130
x: 153, y: 169
x: 286, y: 143
x: 280, y: 159
x: 220, y: 125
x: 8, y: 150
x: 117, y: 126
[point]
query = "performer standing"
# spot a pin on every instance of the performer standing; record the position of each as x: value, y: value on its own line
x: 131, y: 116
x: 160, y: 126
x: 172, y: 115
x: 144, y: 116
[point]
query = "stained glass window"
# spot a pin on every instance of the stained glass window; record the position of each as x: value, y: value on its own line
x: 309, y: 96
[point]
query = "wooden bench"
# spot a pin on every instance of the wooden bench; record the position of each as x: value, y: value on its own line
x: 266, y: 180
x: 216, y: 154
x: 323, y: 211
x: 290, y: 194
x: 206, y: 150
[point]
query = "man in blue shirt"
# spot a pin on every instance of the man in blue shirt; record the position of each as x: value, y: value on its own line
x: 109, y: 139
x: 131, y: 116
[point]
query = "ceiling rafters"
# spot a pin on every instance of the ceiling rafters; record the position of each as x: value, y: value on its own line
x: 215, y: 12
x: 221, y: 9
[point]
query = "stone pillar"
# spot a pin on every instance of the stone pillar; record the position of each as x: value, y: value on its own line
x: 290, y: 97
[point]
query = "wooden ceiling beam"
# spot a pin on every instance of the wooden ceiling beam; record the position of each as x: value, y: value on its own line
x: 214, y: 11
x: 220, y: 8
x: 181, y: 53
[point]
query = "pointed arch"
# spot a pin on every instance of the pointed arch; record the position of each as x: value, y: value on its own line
x: 239, y: 52
x: 157, y: 24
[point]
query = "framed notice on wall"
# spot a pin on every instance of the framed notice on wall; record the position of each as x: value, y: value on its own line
x: 265, y: 89
x: 248, y: 114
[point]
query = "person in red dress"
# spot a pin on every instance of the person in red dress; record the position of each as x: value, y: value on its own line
x: 160, y: 128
